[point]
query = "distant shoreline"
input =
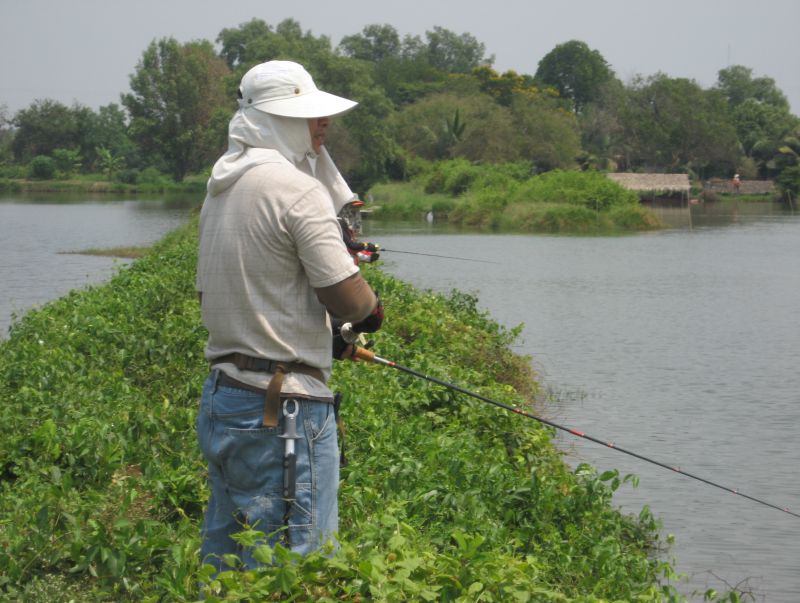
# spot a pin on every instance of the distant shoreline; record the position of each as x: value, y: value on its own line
x: 21, y: 185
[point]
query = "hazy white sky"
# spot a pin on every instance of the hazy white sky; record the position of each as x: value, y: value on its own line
x: 85, y: 50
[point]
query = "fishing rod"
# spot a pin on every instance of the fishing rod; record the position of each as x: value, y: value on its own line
x: 369, y: 356
x: 433, y: 255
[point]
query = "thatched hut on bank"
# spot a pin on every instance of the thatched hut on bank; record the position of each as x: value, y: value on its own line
x: 656, y: 187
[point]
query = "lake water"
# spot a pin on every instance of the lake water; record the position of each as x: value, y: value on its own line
x: 38, y: 232
x: 681, y: 345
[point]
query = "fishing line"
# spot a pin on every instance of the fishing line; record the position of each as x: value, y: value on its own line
x: 369, y: 356
x: 433, y: 255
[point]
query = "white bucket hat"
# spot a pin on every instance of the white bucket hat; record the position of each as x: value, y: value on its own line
x: 285, y: 88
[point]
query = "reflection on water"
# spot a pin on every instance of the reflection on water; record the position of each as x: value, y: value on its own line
x: 681, y: 345
x: 725, y: 213
x: 37, y: 233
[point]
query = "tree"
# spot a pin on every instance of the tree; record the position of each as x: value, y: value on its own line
x: 256, y: 41
x: 774, y: 156
x: 674, y: 124
x: 503, y: 87
x: 546, y: 135
x: 6, y: 135
x: 601, y: 129
x: 486, y: 131
x: 764, y: 124
x: 576, y: 71
x: 738, y: 85
x: 371, y: 142
x: 454, y: 53
x: 108, y: 163
x: 108, y: 128
x: 375, y: 43
x: 400, y: 67
x: 789, y: 182
x: 757, y: 122
x: 44, y: 126
x: 176, y: 90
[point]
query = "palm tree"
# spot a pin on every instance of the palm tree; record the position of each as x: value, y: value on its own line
x: 108, y: 163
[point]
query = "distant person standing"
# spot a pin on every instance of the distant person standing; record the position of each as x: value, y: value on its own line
x: 737, y: 182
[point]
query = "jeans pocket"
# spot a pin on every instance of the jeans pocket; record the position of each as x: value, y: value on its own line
x: 251, y: 459
x: 320, y: 417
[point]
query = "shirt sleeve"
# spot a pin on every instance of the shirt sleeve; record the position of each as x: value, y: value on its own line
x: 318, y: 240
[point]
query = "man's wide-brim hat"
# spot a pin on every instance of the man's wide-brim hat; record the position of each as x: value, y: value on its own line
x: 285, y: 88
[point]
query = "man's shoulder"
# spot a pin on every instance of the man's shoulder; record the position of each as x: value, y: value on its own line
x: 285, y: 178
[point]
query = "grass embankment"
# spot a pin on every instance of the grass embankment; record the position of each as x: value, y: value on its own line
x: 128, y: 252
x: 444, y: 497
x: 97, y: 184
x: 508, y: 198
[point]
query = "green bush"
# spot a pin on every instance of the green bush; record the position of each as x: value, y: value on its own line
x: 451, y: 177
x: 128, y: 176
x: 457, y: 176
x: 495, y: 196
x: 493, y: 199
x: 571, y: 218
x: 589, y: 189
x: 789, y: 180
x: 575, y: 219
x: 633, y: 217
x: 444, y: 497
x: 519, y: 171
x: 42, y: 167
x: 13, y: 171
x: 151, y: 176
x: 496, y: 185
x: 470, y: 213
x: 68, y: 161
x: 406, y: 201
x: 506, y: 196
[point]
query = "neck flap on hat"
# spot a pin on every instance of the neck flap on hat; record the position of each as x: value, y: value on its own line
x: 324, y: 170
x: 255, y: 137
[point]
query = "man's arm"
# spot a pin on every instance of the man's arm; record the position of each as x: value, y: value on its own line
x: 350, y: 300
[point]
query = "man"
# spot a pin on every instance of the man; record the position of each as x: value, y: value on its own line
x: 272, y: 268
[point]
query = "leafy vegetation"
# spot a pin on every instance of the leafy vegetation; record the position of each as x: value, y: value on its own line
x: 102, y: 486
x: 576, y: 71
x: 43, y: 167
x: 178, y: 91
x: 507, y: 196
x: 434, y: 97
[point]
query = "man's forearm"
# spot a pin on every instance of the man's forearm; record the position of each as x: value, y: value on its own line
x: 350, y: 300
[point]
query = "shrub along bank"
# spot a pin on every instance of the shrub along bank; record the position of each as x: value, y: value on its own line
x: 148, y: 181
x: 444, y: 497
x: 509, y: 197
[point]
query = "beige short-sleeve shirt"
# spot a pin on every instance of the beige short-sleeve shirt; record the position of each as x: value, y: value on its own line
x: 266, y: 243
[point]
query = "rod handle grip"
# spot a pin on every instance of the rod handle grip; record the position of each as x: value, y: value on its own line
x: 364, y: 354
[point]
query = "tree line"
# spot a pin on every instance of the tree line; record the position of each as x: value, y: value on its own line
x: 422, y: 98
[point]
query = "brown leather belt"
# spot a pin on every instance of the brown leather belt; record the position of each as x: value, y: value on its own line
x: 272, y: 394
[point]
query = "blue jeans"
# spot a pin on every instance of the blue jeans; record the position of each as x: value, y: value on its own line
x: 245, y: 472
